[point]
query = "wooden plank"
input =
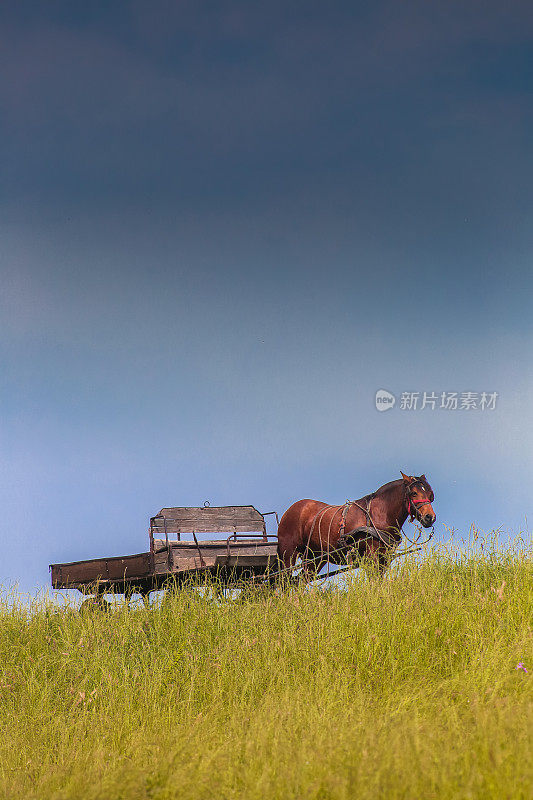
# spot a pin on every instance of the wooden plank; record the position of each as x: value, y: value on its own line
x: 115, y: 568
x: 208, y: 527
x: 211, y: 511
x: 183, y: 564
x: 161, y: 562
x: 252, y: 560
x: 177, y: 553
x: 206, y: 520
x: 220, y: 545
x: 188, y: 563
x: 97, y: 560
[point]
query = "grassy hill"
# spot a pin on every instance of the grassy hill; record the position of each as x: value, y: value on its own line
x: 401, y: 688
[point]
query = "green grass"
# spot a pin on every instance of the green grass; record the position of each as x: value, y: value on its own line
x: 404, y: 688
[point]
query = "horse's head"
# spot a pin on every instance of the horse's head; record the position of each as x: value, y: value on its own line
x: 418, y: 499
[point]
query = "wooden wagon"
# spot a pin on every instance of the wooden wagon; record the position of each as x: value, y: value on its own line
x: 246, y: 552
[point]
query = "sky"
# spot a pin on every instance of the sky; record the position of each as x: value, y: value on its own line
x: 224, y: 227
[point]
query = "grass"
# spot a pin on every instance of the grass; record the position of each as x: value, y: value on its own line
x: 401, y: 688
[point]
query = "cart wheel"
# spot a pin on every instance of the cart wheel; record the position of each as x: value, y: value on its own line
x: 94, y: 603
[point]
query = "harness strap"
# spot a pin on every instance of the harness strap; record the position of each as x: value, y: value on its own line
x: 346, y: 506
x: 390, y: 540
x: 365, y: 533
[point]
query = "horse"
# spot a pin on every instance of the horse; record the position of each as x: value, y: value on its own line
x: 369, y: 527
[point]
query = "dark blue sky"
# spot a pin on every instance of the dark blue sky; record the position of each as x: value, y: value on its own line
x: 224, y: 226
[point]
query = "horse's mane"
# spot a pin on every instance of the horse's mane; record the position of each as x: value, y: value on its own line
x: 387, y: 486
x: 382, y: 489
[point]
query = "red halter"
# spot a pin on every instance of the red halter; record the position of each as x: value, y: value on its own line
x: 416, y: 503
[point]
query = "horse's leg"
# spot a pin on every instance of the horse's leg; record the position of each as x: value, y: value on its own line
x: 289, y: 538
x: 374, y: 552
x: 289, y: 559
x: 382, y: 564
x: 312, y: 563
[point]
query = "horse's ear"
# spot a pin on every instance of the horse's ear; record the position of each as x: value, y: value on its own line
x: 406, y: 478
x: 423, y: 478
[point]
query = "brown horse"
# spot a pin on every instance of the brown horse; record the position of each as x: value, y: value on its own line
x: 318, y: 532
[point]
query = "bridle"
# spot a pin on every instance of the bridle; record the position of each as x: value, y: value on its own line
x: 412, y: 505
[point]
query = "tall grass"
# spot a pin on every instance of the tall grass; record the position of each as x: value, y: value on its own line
x: 400, y: 688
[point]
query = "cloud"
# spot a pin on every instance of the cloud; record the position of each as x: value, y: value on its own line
x: 190, y: 103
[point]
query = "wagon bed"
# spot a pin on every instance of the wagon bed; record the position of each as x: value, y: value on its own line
x: 245, y: 551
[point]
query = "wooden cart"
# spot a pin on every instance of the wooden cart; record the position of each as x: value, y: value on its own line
x: 245, y: 552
